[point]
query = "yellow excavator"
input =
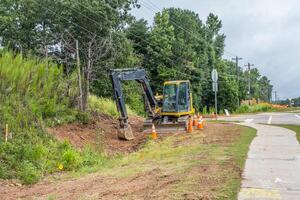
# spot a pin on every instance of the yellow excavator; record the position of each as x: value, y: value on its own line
x: 170, y: 113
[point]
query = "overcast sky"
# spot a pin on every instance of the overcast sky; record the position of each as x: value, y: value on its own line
x: 263, y: 32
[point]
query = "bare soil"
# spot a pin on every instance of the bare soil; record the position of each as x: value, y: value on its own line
x: 153, y: 184
x: 101, y: 133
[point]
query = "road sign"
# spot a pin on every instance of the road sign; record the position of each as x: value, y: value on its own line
x: 214, y: 75
x: 215, y: 87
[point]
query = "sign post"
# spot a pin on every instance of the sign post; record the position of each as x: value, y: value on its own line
x: 215, y: 77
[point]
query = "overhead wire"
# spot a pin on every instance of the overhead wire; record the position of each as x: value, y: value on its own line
x: 152, y: 5
x: 94, y: 21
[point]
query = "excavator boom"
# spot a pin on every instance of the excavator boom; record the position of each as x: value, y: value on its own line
x: 139, y: 75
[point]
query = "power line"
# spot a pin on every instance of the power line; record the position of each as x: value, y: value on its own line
x: 149, y: 3
x: 86, y: 30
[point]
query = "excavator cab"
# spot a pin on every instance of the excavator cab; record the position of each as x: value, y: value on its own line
x: 176, y: 98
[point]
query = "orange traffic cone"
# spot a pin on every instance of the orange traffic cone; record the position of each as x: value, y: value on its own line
x: 195, y: 121
x: 153, y: 133
x: 200, y: 124
x: 190, y: 126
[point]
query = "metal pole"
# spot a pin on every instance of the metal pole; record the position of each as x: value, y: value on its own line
x: 216, y: 102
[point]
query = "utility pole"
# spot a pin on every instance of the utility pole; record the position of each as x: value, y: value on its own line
x: 249, y: 83
x: 275, y: 96
x: 236, y: 59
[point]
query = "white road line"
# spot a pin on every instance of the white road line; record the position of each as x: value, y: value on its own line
x: 270, y: 119
x: 249, y: 120
x: 297, y: 116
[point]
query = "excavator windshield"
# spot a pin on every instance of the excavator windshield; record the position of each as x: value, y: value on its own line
x: 176, y: 97
x: 170, y: 94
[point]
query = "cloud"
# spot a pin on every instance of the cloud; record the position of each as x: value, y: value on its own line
x: 263, y: 32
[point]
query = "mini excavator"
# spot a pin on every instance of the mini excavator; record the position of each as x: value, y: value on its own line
x: 170, y: 113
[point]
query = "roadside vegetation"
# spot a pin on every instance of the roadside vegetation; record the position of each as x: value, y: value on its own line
x: 33, y: 97
x: 203, y: 165
x: 53, y: 61
x: 179, y: 45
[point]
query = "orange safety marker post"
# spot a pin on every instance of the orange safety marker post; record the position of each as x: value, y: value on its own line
x: 190, y: 126
x: 153, y: 133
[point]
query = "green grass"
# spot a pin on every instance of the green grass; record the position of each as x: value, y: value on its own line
x: 183, y: 159
x: 105, y: 106
x: 34, y: 96
x: 238, y: 151
x: 254, y: 108
x: 263, y: 107
x: 295, y: 128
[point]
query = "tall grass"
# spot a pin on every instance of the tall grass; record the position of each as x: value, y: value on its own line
x: 33, y: 94
x: 106, y: 106
x: 263, y: 107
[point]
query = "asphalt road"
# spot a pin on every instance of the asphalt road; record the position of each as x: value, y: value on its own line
x: 266, y: 118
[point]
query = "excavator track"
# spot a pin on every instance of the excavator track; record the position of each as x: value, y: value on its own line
x: 171, y: 126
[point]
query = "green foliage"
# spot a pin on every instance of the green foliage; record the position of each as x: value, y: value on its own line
x: 105, y: 106
x: 264, y: 107
x: 28, y: 173
x: 83, y: 117
x: 33, y: 96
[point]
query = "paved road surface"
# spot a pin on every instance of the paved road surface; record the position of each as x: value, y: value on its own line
x: 267, y: 118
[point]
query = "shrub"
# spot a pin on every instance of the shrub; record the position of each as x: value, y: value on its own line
x: 71, y: 159
x: 105, y: 106
x: 263, y: 107
x: 32, y: 96
x: 83, y: 117
x: 28, y: 173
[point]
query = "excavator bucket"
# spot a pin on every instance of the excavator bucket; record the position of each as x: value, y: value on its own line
x: 125, y: 133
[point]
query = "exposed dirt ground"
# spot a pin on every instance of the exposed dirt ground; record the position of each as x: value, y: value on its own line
x: 160, y: 182
x: 101, y: 133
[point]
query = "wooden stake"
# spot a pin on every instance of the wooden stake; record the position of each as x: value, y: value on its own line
x: 6, y: 132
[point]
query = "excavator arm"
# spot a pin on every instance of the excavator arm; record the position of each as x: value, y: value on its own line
x: 139, y: 75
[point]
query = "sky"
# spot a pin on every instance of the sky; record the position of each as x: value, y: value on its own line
x: 265, y: 33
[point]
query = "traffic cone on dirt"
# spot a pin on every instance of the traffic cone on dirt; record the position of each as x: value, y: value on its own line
x: 195, y: 121
x: 200, y: 123
x: 190, y: 126
x: 153, y: 133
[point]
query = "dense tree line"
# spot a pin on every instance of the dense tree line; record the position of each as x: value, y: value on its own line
x: 179, y: 45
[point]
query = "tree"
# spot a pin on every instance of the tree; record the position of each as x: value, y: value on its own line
x: 37, y: 27
x: 159, y: 51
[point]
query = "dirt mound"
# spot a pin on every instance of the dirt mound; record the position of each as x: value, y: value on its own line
x: 101, y: 133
